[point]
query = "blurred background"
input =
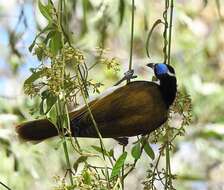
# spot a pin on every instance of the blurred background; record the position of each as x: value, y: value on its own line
x: 197, y: 55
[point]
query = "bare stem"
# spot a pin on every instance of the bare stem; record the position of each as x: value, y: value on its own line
x: 5, y: 186
x: 95, y: 125
x: 170, y: 31
x: 122, y: 174
x: 167, y: 175
x: 132, y: 35
x: 166, y: 25
x: 61, y: 104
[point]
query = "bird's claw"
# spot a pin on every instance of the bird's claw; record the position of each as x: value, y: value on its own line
x: 127, y: 76
x: 122, y: 140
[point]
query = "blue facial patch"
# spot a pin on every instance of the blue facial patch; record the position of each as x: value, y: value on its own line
x: 161, y: 68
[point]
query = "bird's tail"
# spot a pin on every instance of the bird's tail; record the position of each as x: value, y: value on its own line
x: 37, y: 130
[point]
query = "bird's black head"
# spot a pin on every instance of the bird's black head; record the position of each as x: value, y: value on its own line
x: 168, y: 84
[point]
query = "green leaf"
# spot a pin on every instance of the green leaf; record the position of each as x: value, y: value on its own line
x: 32, y: 45
x: 42, y: 107
x: 211, y: 135
x: 81, y: 159
x: 118, y: 165
x: 33, y: 77
x: 218, y: 5
x: 86, y: 177
x: 85, y: 11
x: 191, y: 177
x: 39, y: 53
x: 136, y: 151
x: 148, y: 149
x: 55, y: 42
x: 71, y: 187
x: 48, y: 100
x: 51, y: 100
x: 47, y: 28
x: 4, y: 142
x: 50, y: 34
x: 45, y: 10
x: 52, y: 115
x: 205, y: 2
x: 111, y: 152
x: 121, y: 11
x: 99, y: 149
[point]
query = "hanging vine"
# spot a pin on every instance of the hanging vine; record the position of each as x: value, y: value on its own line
x: 182, y: 106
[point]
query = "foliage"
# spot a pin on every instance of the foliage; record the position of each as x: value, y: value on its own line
x: 56, y: 87
x: 62, y: 52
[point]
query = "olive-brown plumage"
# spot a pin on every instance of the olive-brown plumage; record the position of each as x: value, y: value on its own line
x: 127, y: 111
x: 137, y: 108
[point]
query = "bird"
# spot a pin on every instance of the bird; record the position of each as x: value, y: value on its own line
x: 137, y: 108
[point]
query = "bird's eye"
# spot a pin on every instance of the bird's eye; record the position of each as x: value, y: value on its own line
x: 161, y: 69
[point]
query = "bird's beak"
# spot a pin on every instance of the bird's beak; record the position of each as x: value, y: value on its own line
x: 151, y: 65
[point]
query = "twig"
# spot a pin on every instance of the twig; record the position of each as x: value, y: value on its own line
x: 61, y: 104
x: 170, y: 31
x: 156, y: 23
x: 132, y: 36
x: 1, y: 183
x: 122, y: 171
x: 135, y: 161
x: 166, y: 25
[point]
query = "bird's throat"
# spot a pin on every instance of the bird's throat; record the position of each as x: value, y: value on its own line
x: 168, y: 88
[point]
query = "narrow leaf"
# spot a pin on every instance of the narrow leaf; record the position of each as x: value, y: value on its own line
x: 136, y: 151
x: 118, y: 165
x: 86, y: 178
x: 121, y: 11
x: 218, y: 5
x: 148, y: 149
x: 47, y: 28
x: 45, y: 11
x: 42, y: 107
x: 81, y: 159
x: 85, y: 11
x: 33, y: 77
x: 52, y: 115
x: 32, y: 45
x: 51, y: 100
x: 205, y: 2
x: 55, y: 42
x: 99, y: 149
x: 48, y: 101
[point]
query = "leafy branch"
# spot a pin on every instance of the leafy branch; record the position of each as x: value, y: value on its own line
x: 182, y: 106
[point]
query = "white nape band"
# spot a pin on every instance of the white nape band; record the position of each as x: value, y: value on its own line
x: 171, y: 74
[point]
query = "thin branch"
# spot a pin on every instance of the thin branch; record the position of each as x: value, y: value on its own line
x: 166, y: 25
x: 156, y: 23
x: 1, y: 183
x: 170, y: 31
x: 132, y: 36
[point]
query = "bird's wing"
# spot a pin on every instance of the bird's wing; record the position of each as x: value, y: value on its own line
x: 125, y: 112
x: 78, y: 112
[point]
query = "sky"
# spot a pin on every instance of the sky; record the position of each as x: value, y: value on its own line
x: 9, y: 16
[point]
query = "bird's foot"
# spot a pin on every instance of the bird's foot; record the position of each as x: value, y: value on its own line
x: 127, y: 76
x: 122, y: 140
